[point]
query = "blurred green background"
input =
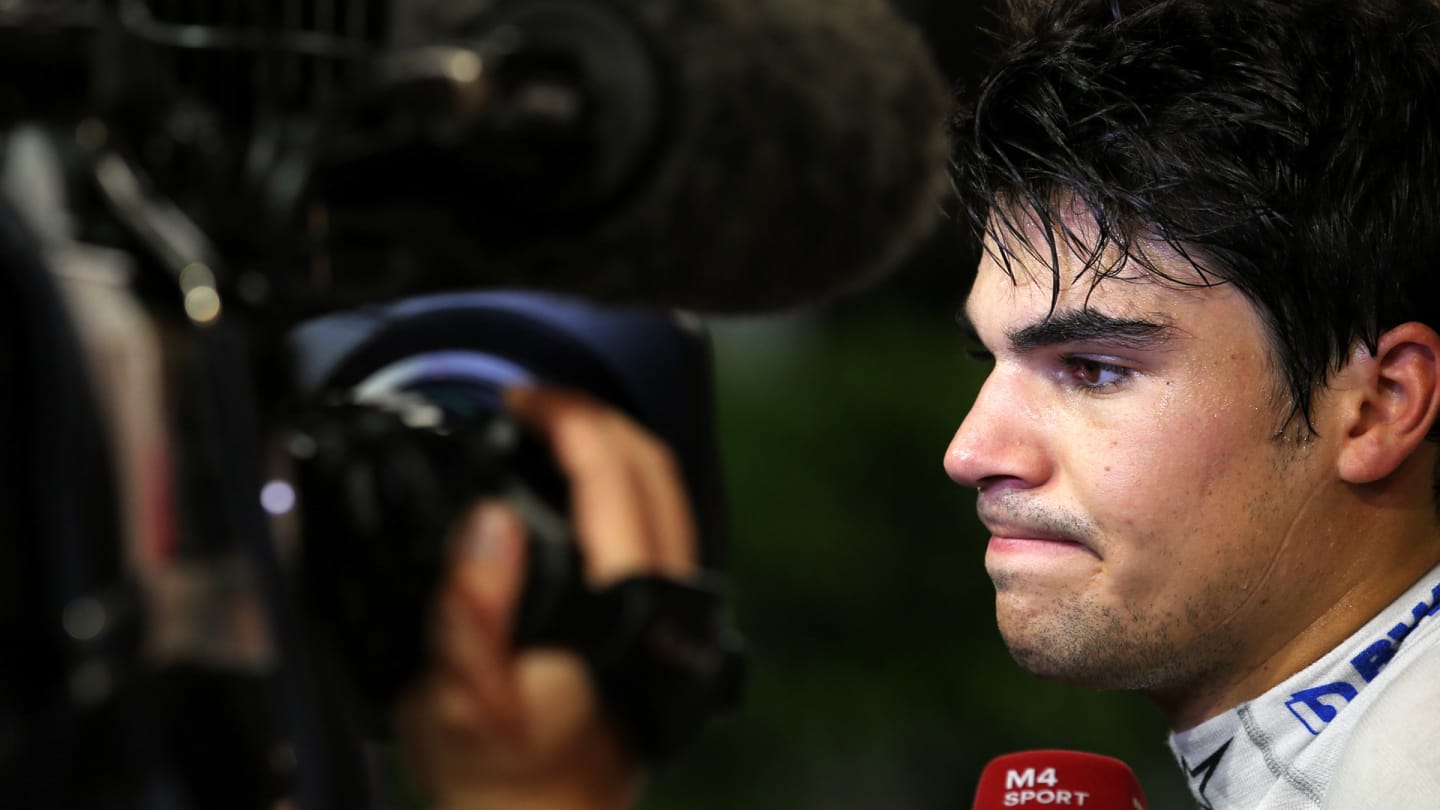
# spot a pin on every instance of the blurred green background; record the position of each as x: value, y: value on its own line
x: 878, y: 678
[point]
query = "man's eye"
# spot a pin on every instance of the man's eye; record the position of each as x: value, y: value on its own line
x: 1094, y: 375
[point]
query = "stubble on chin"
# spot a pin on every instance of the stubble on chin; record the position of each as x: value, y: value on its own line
x: 1077, y: 641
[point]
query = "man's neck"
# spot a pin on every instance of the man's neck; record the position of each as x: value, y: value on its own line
x: 1392, y: 549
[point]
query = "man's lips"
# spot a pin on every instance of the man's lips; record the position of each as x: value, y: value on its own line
x: 1018, y: 524
x: 1003, y: 544
x: 1017, y: 537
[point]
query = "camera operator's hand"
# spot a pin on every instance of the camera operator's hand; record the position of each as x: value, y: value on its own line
x: 490, y: 726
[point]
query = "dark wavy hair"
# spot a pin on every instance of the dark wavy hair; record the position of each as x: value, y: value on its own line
x: 1288, y: 147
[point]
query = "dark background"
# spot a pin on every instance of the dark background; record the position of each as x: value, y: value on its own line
x: 878, y: 679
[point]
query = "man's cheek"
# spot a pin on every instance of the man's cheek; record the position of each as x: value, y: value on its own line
x: 1145, y: 558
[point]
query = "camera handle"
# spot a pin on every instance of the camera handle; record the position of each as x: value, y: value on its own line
x: 661, y: 651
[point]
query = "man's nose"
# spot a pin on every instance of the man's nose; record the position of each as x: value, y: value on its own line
x: 1000, y: 439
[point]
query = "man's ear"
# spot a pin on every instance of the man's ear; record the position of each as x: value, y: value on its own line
x: 1395, y: 395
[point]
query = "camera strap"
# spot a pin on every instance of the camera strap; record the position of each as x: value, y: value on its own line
x: 661, y: 652
x: 664, y: 656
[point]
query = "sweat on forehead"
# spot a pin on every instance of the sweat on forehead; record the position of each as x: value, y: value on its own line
x: 1074, y: 247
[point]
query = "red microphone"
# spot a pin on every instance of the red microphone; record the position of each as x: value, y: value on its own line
x: 1043, y: 780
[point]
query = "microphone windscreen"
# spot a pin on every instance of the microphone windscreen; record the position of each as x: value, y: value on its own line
x: 809, y: 155
x: 789, y: 151
x: 1042, y: 780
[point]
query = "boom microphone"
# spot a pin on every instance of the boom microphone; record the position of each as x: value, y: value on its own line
x: 1042, y: 780
x: 720, y: 155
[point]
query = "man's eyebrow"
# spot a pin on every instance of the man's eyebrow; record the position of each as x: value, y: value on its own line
x: 1089, y: 326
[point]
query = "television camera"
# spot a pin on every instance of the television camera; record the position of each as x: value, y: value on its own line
x: 305, y: 199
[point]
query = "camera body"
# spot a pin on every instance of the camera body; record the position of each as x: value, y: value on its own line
x: 404, y: 426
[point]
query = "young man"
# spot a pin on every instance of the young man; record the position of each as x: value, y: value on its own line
x: 1206, y: 449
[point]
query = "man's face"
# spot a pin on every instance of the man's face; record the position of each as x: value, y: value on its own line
x: 1150, y: 527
